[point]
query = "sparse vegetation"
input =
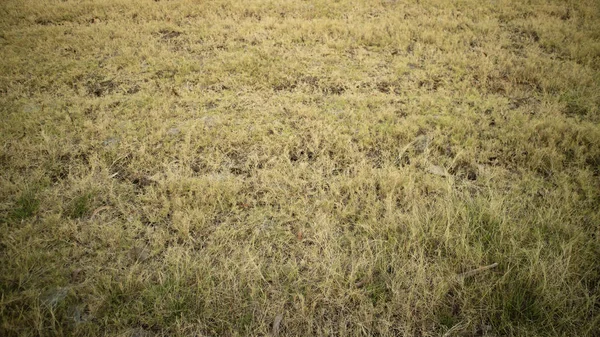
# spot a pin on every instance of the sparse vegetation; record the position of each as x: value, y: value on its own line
x: 299, y: 168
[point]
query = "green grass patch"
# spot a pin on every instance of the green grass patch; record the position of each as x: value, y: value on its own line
x: 79, y: 206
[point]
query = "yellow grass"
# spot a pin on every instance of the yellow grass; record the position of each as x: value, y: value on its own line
x: 299, y: 168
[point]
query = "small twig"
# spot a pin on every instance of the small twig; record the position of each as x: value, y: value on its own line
x: 476, y: 271
x: 360, y: 283
x: 363, y: 281
x: 456, y: 328
x: 98, y: 210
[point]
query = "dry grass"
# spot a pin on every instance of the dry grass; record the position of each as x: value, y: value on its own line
x: 235, y: 168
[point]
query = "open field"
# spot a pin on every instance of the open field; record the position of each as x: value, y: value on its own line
x: 299, y: 168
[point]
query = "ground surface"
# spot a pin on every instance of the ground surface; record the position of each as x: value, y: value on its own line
x: 299, y: 168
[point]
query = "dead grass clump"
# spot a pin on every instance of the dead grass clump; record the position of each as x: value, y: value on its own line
x: 392, y: 168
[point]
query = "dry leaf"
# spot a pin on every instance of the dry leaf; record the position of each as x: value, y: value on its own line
x: 477, y: 271
x: 276, y: 324
x: 139, y: 254
x: 437, y: 170
x: 77, y: 275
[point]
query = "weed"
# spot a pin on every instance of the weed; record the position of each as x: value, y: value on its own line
x: 79, y: 206
x: 25, y: 206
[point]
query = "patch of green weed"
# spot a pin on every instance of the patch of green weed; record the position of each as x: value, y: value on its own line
x: 79, y: 206
x: 26, y: 206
